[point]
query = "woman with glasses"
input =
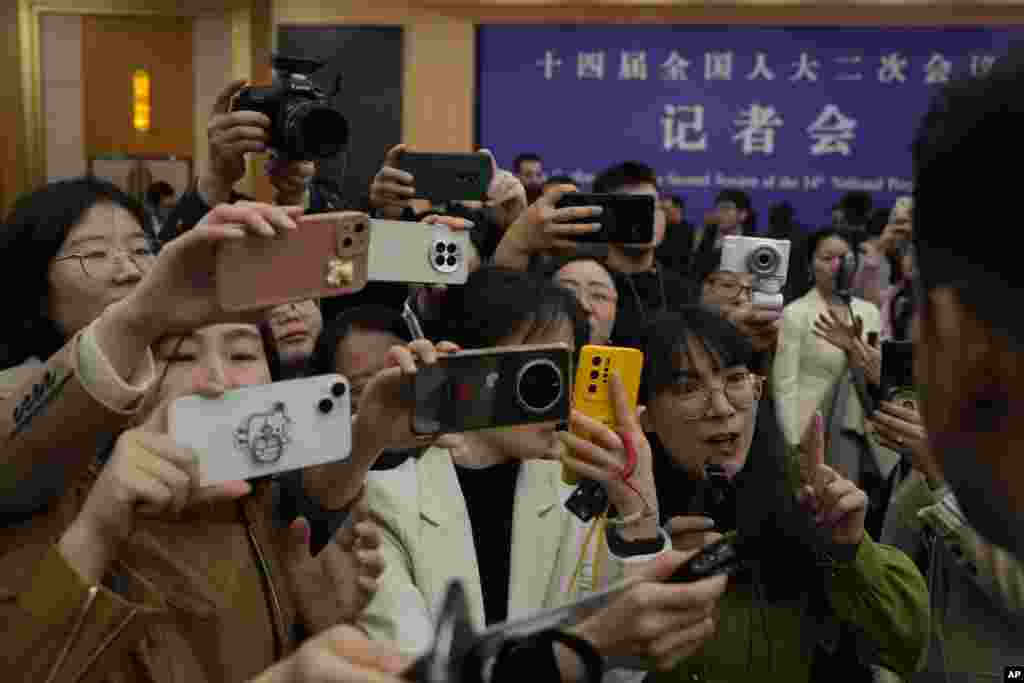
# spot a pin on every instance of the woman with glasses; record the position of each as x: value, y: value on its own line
x: 594, y: 287
x: 721, y: 466
x: 89, y: 297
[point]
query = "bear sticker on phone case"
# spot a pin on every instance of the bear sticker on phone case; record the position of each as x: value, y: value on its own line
x: 264, y: 436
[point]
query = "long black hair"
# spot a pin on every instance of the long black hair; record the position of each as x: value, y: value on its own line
x: 32, y: 234
x: 494, y: 303
x: 767, y: 515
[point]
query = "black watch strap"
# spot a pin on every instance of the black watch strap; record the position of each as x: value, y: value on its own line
x: 623, y: 548
x: 293, y: 503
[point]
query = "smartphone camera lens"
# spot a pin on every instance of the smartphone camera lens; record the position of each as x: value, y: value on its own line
x: 440, y: 247
x: 594, y: 374
x: 347, y: 242
x: 452, y: 261
x: 325, y: 406
x: 360, y: 227
x: 338, y: 389
x: 597, y: 361
x: 539, y: 386
x: 451, y: 248
x: 593, y: 389
x: 439, y: 261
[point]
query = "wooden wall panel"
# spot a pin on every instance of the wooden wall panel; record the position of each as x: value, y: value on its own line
x: 112, y: 48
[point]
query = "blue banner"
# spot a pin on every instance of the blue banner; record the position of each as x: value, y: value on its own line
x: 787, y: 114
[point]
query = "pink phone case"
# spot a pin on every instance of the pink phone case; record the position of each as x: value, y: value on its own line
x: 327, y: 256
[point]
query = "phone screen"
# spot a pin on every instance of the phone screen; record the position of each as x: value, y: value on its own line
x: 898, y: 371
x: 626, y: 219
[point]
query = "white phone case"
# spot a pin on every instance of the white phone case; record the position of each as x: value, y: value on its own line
x: 418, y: 253
x: 261, y: 430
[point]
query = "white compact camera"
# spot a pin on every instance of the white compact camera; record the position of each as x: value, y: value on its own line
x: 261, y: 430
x: 766, y: 259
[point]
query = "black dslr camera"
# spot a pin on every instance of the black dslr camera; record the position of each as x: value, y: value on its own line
x: 303, y: 125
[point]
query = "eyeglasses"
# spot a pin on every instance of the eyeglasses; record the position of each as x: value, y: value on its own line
x: 593, y: 296
x: 101, y: 264
x: 741, y: 389
x: 730, y: 290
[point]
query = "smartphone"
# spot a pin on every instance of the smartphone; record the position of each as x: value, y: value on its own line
x: 592, y: 394
x: 767, y: 260
x: 261, y: 430
x: 626, y: 219
x: 898, y: 373
x: 326, y: 256
x: 441, y: 177
x: 493, y: 388
x: 418, y: 253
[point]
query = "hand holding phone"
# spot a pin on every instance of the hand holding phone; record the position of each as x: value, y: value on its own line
x: 448, y: 177
x: 326, y: 256
x: 392, y: 189
x: 624, y: 218
x: 261, y: 430
x: 592, y: 395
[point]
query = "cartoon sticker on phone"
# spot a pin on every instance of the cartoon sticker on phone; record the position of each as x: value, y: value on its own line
x: 264, y: 436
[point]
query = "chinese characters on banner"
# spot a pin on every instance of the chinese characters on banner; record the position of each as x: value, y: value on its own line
x: 798, y: 115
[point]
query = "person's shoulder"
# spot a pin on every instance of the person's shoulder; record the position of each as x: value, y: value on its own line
x: 13, y: 377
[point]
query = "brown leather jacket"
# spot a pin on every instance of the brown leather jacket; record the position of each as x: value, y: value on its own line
x: 209, y: 598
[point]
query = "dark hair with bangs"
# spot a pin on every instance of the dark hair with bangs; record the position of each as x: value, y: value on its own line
x: 30, y: 237
x: 669, y: 333
x: 775, y: 528
x: 369, y: 317
x: 495, y: 302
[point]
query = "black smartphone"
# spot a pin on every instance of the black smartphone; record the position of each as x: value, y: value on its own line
x: 492, y: 388
x: 626, y: 219
x: 724, y: 556
x: 448, y: 177
x: 898, y: 373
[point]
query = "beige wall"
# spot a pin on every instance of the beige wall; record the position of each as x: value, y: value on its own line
x: 212, y: 65
x: 61, y: 54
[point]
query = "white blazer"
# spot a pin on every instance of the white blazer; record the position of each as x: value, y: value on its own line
x: 428, y: 541
x: 807, y: 368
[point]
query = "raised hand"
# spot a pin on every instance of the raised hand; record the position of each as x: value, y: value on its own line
x: 231, y: 135
x: 838, y: 506
x: 392, y: 189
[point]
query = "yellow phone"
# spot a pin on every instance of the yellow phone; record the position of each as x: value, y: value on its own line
x: 592, y: 391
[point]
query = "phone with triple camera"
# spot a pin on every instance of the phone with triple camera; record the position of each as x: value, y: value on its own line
x: 418, y: 253
x: 625, y: 218
x: 492, y: 388
x: 898, y: 373
x: 592, y: 392
x: 448, y: 177
x: 261, y: 430
x: 326, y: 256
x: 766, y: 259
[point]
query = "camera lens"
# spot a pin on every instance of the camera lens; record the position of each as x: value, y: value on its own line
x: 595, y: 374
x: 338, y: 389
x: 440, y: 247
x: 313, y: 130
x: 325, y: 406
x: 347, y: 242
x: 764, y: 260
x: 452, y: 247
x: 539, y: 386
x: 452, y: 261
x: 439, y: 261
x: 596, y: 361
x: 593, y: 389
x: 360, y: 227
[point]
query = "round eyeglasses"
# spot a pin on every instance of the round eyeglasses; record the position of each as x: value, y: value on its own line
x: 693, y: 398
x: 101, y: 264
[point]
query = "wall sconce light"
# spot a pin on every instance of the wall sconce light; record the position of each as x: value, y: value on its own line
x: 140, y: 101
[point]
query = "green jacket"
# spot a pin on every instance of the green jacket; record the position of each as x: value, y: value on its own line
x: 880, y: 593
